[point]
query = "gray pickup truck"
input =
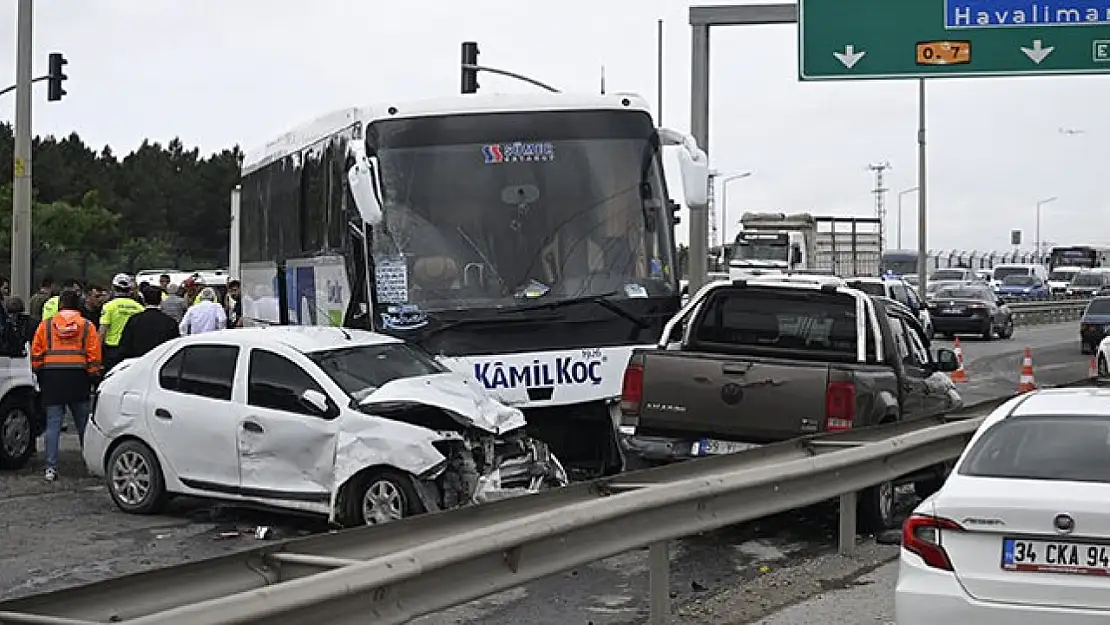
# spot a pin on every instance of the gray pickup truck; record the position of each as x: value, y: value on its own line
x: 747, y: 363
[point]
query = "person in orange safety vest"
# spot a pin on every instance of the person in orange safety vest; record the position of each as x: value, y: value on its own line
x: 66, y: 359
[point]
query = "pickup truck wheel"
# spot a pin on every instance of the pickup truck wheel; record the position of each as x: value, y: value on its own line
x: 875, y: 510
x: 926, y: 487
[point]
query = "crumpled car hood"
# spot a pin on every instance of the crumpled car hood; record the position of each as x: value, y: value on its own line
x: 458, y: 395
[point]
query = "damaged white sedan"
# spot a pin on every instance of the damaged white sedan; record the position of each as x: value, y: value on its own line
x: 355, y: 425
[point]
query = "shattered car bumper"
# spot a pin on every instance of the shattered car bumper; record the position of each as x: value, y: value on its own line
x: 520, y: 466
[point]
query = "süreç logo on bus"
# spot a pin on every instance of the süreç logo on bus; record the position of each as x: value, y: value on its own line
x: 561, y: 371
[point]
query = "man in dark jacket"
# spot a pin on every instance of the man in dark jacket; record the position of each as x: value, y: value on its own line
x: 148, y: 329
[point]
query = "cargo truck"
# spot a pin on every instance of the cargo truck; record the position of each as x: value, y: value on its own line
x: 777, y: 242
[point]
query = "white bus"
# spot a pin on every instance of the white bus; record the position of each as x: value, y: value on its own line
x: 525, y: 240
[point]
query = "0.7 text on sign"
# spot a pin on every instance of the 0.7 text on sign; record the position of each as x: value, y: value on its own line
x: 865, y: 39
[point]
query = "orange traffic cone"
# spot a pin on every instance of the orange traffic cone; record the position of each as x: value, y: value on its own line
x: 1026, y: 382
x: 960, y: 374
x: 1092, y: 370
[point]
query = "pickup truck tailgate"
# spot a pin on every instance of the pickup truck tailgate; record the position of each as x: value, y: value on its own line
x: 734, y: 398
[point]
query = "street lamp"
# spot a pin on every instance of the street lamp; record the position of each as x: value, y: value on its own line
x: 724, y: 202
x: 1037, y: 230
x: 902, y: 194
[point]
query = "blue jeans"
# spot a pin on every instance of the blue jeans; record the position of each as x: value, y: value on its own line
x: 54, y: 417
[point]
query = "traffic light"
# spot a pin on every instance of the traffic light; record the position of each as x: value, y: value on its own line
x: 54, y: 90
x: 469, y: 75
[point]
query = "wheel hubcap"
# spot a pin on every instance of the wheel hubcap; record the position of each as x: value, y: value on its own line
x: 15, y: 433
x: 131, y: 478
x: 383, y: 503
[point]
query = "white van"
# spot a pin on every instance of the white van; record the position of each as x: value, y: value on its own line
x: 1017, y: 269
x: 1060, y: 278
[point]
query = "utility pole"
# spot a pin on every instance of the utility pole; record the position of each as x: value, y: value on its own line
x: 21, y: 163
x: 880, y: 198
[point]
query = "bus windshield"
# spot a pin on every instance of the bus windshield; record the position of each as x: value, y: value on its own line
x: 496, y: 209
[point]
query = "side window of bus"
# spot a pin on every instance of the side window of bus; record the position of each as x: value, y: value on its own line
x: 314, y: 200
x: 337, y: 192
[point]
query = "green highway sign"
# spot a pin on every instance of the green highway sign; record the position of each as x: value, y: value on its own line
x: 865, y: 39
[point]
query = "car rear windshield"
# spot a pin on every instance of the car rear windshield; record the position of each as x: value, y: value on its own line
x: 963, y: 293
x: 1099, y: 306
x: 1073, y: 448
x: 1022, y: 280
x: 361, y: 370
x: 871, y: 288
x: 781, y: 319
x: 948, y: 274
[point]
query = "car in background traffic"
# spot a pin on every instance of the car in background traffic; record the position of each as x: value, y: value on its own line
x: 898, y: 290
x: 1094, y: 325
x: 959, y: 274
x: 358, y: 426
x: 936, y: 286
x: 1089, y: 283
x: 1060, y: 278
x: 983, y: 275
x: 971, y: 309
x: 1019, y: 533
x: 1023, y: 287
x: 1000, y: 272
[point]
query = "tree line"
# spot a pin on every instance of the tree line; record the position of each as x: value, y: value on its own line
x: 94, y: 214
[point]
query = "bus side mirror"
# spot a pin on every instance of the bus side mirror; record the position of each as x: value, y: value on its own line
x: 361, y: 181
x: 693, y: 165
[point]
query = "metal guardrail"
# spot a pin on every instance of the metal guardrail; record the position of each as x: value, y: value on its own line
x: 392, y: 573
x: 1048, y: 311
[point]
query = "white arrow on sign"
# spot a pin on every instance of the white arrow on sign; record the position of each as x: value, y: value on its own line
x: 849, y: 57
x: 1038, y: 52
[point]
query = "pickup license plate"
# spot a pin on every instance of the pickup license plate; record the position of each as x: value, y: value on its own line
x: 1040, y: 556
x: 710, y: 447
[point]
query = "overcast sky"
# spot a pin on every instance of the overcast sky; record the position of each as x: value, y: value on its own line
x: 220, y: 72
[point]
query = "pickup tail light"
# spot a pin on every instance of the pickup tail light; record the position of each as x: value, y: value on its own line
x: 921, y: 535
x: 840, y: 406
x: 632, y: 388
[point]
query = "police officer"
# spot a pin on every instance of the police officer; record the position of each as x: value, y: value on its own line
x: 50, y: 306
x: 114, y: 316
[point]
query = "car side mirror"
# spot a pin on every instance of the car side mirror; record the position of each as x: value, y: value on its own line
x: 946, y: 360
x: 315, y: 400
x: 361, y: 181
x: 1000, y: 302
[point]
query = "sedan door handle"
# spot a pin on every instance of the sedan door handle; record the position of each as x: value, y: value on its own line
x: 162, y: 413
x: 251, y: 426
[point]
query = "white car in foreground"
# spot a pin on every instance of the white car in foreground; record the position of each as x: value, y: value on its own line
x: 1020, y: 532
x: 354, y: 425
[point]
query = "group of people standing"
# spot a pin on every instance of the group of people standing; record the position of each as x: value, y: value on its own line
x: 81, y: 333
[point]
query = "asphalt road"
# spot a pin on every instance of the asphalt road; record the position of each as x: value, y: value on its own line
x: 68, y: 533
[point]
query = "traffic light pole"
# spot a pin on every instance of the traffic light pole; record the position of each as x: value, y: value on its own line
x: 11, y: 88
x: 470, y: 69
x: 21, y: 165
x: 505, y: 72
